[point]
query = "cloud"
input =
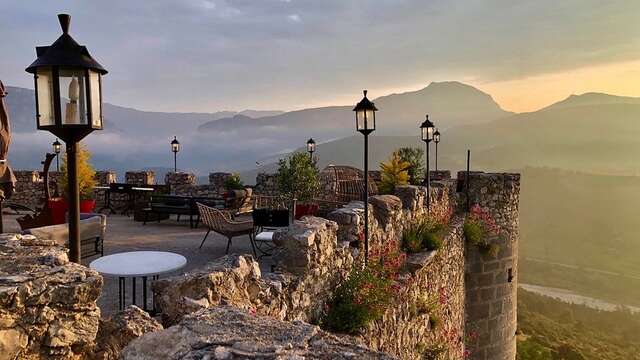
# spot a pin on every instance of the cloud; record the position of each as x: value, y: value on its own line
x: 208, y: 55
x: 295, y: 18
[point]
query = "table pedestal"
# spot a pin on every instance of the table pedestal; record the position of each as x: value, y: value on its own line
x: 122, y: 292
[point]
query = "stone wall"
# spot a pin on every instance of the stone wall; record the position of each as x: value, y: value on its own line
x: 217, y: 180
x: 140, y: 177
x: 48, y: 305
x: 311, y: 261
x: 315, y: 254
x: 266, y: 184
x: 28, y: 188
x: 180, y: 183
x: 491, y: 283
x: 105, y: 178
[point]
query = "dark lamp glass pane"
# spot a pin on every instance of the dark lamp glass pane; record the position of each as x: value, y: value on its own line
x: 44, y: 83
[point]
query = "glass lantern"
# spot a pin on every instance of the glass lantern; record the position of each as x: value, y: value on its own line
x: 175, y: 145
x: 68, y: 87
x: 365, y: 115
x: 427, y: 128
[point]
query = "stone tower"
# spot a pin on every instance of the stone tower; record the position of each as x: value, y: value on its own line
x: 491, y: 282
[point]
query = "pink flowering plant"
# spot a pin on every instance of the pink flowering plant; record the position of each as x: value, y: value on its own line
x: 365, y: 294
x: 478, y: 226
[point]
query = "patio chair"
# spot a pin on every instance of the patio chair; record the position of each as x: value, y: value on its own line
x: 220, y: 222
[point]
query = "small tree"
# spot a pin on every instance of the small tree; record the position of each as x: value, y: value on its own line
x: 86, y: 174
x: 394, y: 172
x: 298, y: 177
x: 415, y: 158
x: 233, y: 182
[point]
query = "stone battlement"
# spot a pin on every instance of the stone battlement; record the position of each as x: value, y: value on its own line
x: 475, y: 292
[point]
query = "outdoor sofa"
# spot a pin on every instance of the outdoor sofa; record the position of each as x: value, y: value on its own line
x: 92, y: 231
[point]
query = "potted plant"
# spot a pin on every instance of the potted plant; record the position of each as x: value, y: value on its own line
x: 86, y: 184
x: 298, y: 178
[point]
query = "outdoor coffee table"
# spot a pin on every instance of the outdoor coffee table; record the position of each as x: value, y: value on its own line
x: 137, y: 264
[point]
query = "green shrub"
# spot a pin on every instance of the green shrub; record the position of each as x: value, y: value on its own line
x: 365, y: 294
x: 412, y: 240
x: 473, y: 232
x: 233, y: 182
x: 415, y: 158
x: 359, y: 300
x: 431, y: 241
x: 434, y: 321
x: 298, y: 177
x: 425, y: 235
x: 490, y: 250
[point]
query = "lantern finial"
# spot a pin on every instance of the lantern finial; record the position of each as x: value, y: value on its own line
x: 65, y: 21
x: 364, y: 92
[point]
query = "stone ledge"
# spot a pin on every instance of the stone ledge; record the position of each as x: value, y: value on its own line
x: 419, y: 260
x: 47, y: 304
x: 226, y: 332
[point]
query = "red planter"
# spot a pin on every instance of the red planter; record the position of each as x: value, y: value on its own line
x: 305, y: 209
x: 59, y: 208
x: 87, y: 206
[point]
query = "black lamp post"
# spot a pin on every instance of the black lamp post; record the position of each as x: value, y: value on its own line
x: 436, y: 140
x: 56, y: 149
x: 426, y: 129
x: 366, y: 124
x: 175, y: 147
x: 68, y: 84
x: 311, y: 147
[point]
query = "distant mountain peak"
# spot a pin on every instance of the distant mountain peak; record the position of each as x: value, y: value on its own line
x: 593, y: 98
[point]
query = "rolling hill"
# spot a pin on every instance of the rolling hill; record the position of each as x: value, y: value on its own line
x: 578, y: 135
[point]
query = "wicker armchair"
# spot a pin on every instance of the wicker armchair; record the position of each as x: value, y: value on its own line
x: 221, y: 223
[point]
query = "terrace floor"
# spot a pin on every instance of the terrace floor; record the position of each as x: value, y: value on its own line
x: 123, y: 234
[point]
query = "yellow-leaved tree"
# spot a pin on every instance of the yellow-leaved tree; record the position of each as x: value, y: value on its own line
x: 394, y: 172
x: 86, y: 174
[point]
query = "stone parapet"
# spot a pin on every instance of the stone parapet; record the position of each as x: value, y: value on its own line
x: 29, y: 188
x: 47, y: 304
x: 105, y: 177
x: 145, y: 177
x: 226, y: 332
x: 309, y: 263
x: 217, y: 180
x: 266, y: 184
x: 180, y: 183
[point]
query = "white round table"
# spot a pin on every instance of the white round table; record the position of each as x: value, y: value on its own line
x: 133, y: 264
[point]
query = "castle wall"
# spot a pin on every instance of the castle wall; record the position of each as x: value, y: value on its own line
x: 491, y: 283
x: 313, y: 256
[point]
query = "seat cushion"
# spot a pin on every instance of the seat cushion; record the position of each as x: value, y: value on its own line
x: 91, y: 227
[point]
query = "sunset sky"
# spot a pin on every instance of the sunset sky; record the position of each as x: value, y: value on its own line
x: 210, y: 55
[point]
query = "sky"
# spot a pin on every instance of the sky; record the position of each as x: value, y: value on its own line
x: 212, y: 55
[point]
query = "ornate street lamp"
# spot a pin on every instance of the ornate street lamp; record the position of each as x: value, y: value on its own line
x: 68, y: 84
x: 175, y: 147
x: 56, y: 150
x: 436, y: 140
x: 311, y: 148
x: 366, y: 124
x: 426, y: 129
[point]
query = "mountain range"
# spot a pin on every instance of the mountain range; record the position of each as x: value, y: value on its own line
x: 590, y: 132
